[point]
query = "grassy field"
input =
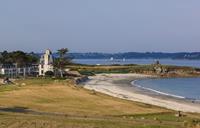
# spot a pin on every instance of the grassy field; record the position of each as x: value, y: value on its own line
x: 48, y: 103
x: 146, y: 69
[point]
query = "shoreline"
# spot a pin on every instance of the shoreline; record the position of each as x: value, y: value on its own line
x: 120, y: 86
x: 156, y: 91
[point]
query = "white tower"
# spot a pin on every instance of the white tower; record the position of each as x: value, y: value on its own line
x: 46, y: 63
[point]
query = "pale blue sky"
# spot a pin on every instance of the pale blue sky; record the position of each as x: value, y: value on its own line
x: 100, y: 25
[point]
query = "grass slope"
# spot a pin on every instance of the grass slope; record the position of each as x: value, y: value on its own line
x: 52, y: 103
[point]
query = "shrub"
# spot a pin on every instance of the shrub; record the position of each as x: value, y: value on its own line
x: 49, y: 73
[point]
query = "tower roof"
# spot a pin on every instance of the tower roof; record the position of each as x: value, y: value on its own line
x: 48, y: 51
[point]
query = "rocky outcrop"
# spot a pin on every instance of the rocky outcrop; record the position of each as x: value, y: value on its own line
x: 82, y: 79
x: 6, y: 81
x: 73, y: 74
x: 158, y: 69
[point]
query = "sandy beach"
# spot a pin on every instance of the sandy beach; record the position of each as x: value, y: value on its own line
x: 119, y: 85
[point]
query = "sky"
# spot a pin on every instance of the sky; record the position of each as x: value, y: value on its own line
x: 100, y: 25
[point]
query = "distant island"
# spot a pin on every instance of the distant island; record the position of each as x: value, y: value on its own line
x: 137, y: 55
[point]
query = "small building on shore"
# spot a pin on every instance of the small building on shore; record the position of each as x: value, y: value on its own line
x: 46, y: 63
x: 12, y: 71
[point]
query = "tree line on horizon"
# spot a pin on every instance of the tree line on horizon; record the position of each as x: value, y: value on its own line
x: 28, y: 58
x: 137, y: 55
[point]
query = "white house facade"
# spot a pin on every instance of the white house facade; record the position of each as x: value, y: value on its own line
x: 12, y: 71
x: 46, y: 63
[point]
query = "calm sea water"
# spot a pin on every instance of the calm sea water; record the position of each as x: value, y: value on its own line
x: 193, y: 63
x: 179, y: 87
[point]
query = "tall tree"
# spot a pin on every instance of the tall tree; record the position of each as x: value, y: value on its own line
x: 5, y: 58
x: 63, y: 59
x: 63, y: 52
x: 20, y: 58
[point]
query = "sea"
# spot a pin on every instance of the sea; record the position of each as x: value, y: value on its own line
x: 191, y: 63
x: 188, y: 88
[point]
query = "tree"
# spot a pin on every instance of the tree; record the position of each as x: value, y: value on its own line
x: 62, y: 60
x: 33, y: 58
x: 1, y: 58
x: 20, y: 58
x: 62, y: 52
x: 5, y: 58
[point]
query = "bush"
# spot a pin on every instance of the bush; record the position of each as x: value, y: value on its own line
x: 49, y: 73
x: 2, y: 76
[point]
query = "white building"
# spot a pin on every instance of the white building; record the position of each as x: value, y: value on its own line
x: 8, y: 70
x: 46, y: 63
x: 12, y: 71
